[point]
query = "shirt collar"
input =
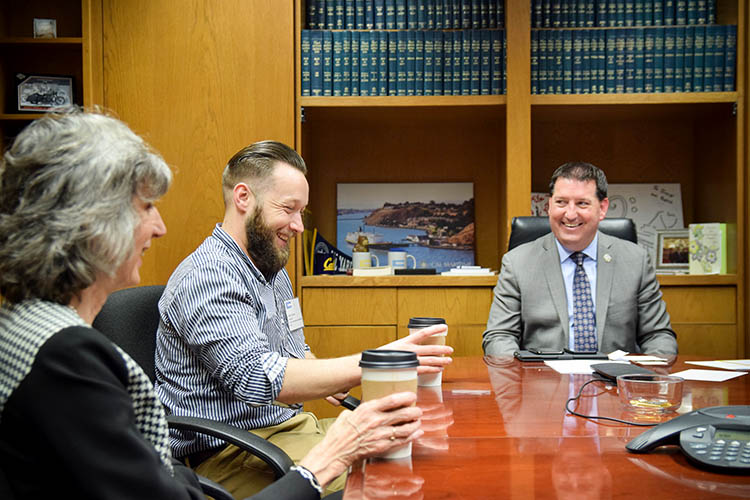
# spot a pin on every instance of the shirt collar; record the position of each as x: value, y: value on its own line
x: 589, y: 251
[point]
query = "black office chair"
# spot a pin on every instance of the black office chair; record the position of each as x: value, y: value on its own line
x: 130, y: 318
x: 528, y: 228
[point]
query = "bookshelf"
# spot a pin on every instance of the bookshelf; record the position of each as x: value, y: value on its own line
x: 75, y: 52
x: 508, y: 145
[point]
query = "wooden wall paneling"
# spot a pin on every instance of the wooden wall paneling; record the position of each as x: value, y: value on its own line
x: 199, y: 81
x: 718, y: 341
x: 93, y: 87
x: 711, y: 304
x: 349, y: 306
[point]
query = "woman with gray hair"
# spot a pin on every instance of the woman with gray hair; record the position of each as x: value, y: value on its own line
x: 77, y: 415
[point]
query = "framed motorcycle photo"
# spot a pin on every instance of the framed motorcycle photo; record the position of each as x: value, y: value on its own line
x: 39, y: 93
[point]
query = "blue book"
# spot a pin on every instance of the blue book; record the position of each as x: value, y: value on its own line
x: 430, y: 13
x: 390, y: 14
x: 639, y: 12
x: 346, y: 63
x: 476, y: 14
x: 400, y: 14
x: 679, y: 58
x: 648, y: 12
x: 369, y: 15
x: 411, y: 14
x: 316, y: 63
x: 429, y: 62
x: 546, y: 13
x: 709, y: 57
x: 311, y: 14
x: 648, y: 60
x: 692, y: 12
x: 457, y: 19
x: 458, y: 63
x: 421, y: 14
x: 338, y: 15
x: 536, y: 14
x: 374, y: 63
x: 555, y: 66
x: 534, y: 61
x: 659, y: 59
x: 629, y: 13
x: 359, y: 14
x: 699, y: 42
x: 485, y: 65
x: 379, y: 14
x: 710, y: 11
x: 620, y: 9
x: 337, y: 77
x: 638, y: 76
x: 476, y: 65
x: 393, y: 62
x: 503, y: 72
x: 588, y: 61
x: 620, y: 54
x: 687, y: 61
x: 484, y: 13
x: 577, y: 37
x: 419, y: 62
x: 327, y: 63
x: 629, y: 61
x: 305, y: 62
x: 669, y: 56
x: 330, y: 22
x: 439, y: 15
x: 448, y: 62
x: 401, y: 68
x: 411, y: 62
x: 680, y: 12
x: 321, y: 10
x: 590, y: 20
x: 447, y: 14
x: 382, y: 54
x: 719, y: 56
x: 602, y: 14
x: 349, y: 16
x: 731, y: 57
x: 500, y: 15
x: 658, y: 13
x: 612, y: 13
x: 496, y: 83
x: 567, y: 59
x: 355, y: 42
x: 364, y: 63
x: 600, y: 65
x: 565, y: 13
x: 702, y: 12
x: 556, y: 13
x: 465, y: 6
x: 466, y: 76
x: 610, y: 66
x: 668, y: 12
x: 437, y: 76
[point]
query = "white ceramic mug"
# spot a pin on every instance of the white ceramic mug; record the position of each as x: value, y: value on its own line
x: 397, y: 259
x: 362, y: 260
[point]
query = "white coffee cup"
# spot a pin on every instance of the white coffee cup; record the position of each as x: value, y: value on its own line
x: 362, y: 260
x: 418, y: 323
x: 397, y: 259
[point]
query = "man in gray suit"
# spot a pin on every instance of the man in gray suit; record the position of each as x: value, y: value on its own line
x: 549, y: 297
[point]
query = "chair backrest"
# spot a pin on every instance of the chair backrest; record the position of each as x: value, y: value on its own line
x: 528, y: 228
x: 130, y: 318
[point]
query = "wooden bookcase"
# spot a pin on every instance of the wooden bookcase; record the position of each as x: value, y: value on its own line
x: 508, y: 145
x: 75, y: 52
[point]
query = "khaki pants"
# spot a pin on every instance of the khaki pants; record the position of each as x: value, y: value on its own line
x: 243, y: 474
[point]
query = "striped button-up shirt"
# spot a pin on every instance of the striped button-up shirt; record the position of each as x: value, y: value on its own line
x: 223, y: 342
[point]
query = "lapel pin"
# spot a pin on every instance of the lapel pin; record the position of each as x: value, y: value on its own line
x: 607, y: 257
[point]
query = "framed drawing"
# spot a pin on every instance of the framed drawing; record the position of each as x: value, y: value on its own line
x: 433, y: 222
x: 672, y: 250
x: 38, y: 93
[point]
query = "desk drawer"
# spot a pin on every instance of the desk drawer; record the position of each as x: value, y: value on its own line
x: 349, y: 306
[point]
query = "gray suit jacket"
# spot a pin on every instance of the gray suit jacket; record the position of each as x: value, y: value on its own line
x: 529, y: 308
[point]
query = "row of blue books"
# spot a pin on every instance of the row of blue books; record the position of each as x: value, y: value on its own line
x: 620, y: 13
x: 403, y: 63
x: 405, y: 14
x: 634, y: 60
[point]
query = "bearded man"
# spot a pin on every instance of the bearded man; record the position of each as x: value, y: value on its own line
x: 231, y: 345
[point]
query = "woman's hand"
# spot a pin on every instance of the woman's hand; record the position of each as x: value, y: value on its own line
x: 373, y: 428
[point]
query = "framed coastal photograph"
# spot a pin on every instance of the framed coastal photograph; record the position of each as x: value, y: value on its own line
x: 672, y: 250
x: 433, y: 222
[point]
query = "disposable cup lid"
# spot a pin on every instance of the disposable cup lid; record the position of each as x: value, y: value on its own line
x: 388, y: 359
x: 420, y: 322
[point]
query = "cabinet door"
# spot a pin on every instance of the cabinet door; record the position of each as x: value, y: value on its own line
x: 200, y: 80
x: 349, y: 306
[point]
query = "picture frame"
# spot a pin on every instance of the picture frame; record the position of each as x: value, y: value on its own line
x: 672, y: 250
x: 45, y: 28
x: 40, y: 93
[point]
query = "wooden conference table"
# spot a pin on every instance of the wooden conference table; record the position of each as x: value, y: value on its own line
x: 498, y: 429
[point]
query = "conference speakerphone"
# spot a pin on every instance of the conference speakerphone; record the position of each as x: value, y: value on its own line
x: 717, y: 438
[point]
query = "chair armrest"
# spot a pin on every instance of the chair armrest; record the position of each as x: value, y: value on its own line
x: 271, y: 454
x: 213, y: 489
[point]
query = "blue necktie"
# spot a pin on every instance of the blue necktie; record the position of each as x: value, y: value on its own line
x: 584, y: 320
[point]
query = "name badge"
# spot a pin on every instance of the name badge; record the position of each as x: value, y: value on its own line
x: 293, y: 314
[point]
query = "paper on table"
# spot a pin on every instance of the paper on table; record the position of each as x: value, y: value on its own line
x: 566, y: 366
x: 707, y: 375
x: 727, y: 364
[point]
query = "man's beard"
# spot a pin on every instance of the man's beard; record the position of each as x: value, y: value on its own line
x: 267, y: 257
